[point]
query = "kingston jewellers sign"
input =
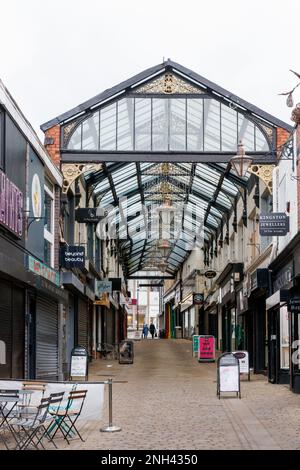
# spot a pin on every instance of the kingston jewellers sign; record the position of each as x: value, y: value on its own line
x: 274, y: 224
x: 73, y: 257
x: 11, y: 206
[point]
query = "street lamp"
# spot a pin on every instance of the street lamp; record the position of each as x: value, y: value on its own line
x: 241, y: 162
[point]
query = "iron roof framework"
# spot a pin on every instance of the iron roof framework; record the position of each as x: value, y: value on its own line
x: 134, y: 128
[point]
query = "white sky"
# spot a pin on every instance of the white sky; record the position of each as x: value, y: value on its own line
x: 56, y: 54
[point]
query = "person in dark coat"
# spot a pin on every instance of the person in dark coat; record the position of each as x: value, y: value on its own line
x: 152, y: 329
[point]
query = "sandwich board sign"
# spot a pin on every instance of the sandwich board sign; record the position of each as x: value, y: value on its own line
x: 228, y: 379
x: 195, y: 345
x: 206, y: 351
x: 243, y: 357
x: 79, y: 362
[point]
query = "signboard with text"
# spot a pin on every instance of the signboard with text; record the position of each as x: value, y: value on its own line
x: 206, y: 350
x: 39, y: 268
x: 228, y: 379
x: 243, y: 357
x: 73, y: 257
x: 198, y: 299
x: 274, y: 224
x: 79, y: 362
x: 195, y: 345
x: 103, y: 287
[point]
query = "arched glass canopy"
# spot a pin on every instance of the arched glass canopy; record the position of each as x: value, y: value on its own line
x: 188, y: 124
x: 166, y: 115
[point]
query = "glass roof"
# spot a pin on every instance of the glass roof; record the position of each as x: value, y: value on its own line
x: 174, y: 124
x: 134, y: 194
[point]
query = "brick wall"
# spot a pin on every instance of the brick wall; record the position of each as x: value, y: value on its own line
x: 282, y: 136
x: 53, y: 149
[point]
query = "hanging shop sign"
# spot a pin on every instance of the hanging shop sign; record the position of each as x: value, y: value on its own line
x: 274, y: 224
x: 210, y: 273
x: 73, y: 257
x: 90, y: 215
x: 206, y: 350
x: 283, y: 277
x: 195, y: 345
x: 11, y: 206
x: 103, y: 287
x: 243, y: 357
x: 116, y: 283
x: 42, y: 270
x: 36, y: 196
x: 228, y: 379
x: 79, y: 362
x: 198, y: 299
x: 294, y: 305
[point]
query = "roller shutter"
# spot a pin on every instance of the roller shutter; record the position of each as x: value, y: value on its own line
x: 82, y: 323
x: 46, y: 339
x: 12, y: 330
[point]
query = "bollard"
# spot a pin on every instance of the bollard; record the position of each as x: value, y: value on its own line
x: 110, y: 427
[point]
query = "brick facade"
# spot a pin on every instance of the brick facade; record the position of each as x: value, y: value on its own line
x: 53, y: 148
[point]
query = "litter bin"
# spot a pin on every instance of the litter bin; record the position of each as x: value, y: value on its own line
x: 178, y: 332
x: 126, y: 352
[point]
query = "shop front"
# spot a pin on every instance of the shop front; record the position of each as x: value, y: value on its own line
x: 278, y: 322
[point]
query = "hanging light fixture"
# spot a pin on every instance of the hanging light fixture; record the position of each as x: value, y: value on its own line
x: 290, y: 101
x: 241, y: 162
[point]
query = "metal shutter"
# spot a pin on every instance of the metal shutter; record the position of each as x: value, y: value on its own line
x: 82, y: 323
x: 46, y: 339
x: 5, y: 327
x: 12, y: 330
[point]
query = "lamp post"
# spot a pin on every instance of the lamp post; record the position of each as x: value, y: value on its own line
x: 241, y: 162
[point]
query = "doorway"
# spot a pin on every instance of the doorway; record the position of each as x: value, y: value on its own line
x: 273, y: 342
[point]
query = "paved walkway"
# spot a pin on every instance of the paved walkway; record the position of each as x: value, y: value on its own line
x: 170, y: 402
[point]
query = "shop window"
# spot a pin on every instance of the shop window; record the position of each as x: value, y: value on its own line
x: 47, y: 252
x: 284, y: 338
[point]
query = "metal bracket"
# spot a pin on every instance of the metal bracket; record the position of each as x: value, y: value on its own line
x: 72, y: 171
x: 265, y: 173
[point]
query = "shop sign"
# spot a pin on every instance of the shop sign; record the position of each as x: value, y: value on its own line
x: 283, y: 277
x: 274, y: 224
x: 73, y: 257
x: 103, y: 287
x: 294, y: 305
x: 228, y: 374
x: 42, y: 270
x: 79, y: 362
x: 198, y: 299
x: 206, y: 351
x: 243, y: 357
x: 90, y: 215
x: 210, y: 273
x: 11, y: 206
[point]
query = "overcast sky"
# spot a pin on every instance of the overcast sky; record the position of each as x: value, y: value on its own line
x: 56, y: 54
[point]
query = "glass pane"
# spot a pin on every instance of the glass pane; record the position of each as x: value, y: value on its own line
x: 47, y: 252
x: 125, y: 124
x: 229, y: 128
x: 90, y: 133
x: 75, y: 140
x: 261, y: 143
x: 48, y: 212
x: 108, y: 128
x: 142, y: 124
x: 177, y: 124
x: 194, y: 124
x: 246, y: 132
x: 160, y: 124
x: 211, y: 125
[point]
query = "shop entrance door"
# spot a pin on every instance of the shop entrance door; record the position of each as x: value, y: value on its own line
x: 273, y: 346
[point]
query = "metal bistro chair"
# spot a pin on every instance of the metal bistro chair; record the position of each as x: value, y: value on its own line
x: 67, y: 416
x: 32, y: 387
x: 8, y: 403
x: 54, y: 407
x: 26, y: 429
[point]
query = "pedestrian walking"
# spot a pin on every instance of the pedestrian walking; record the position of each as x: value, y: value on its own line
x: 145, y: 331
x: 152, y: 329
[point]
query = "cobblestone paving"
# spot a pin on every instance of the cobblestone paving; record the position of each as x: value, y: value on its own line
x: 170, y: 402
